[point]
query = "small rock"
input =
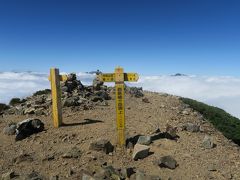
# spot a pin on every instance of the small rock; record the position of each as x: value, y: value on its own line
x: 102, y: 145
x: 212, y: 167
x: 10, y: 129
x: 72, y: 101
x: 73, y: 153
x: 167, y: 162
x: 56, y: 177
x: 171, y: 132
x: 139, y: 175
x: 191, y: 127
x: 144, y: 140
x: 35, y: 176
x: 127, y: 172
x: 107, y: 173
x: 87, y: 177
x: 39, y: 112
x: 29, y: 110
x: 145, y: 100
x: 185, y: 112
x: 140, y: 151
x: 23, y: 158
x: 208, y: 142
x: 8, y: 175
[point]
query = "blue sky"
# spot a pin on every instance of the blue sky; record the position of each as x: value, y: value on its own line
x: 150, y: 37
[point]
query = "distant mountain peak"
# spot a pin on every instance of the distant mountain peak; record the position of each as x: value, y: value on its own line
x: 179, y: 74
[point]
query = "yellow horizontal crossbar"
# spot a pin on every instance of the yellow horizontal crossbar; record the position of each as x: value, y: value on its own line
x: 61, y: 78
x: 110, y: 77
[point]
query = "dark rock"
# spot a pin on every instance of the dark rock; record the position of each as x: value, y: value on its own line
x: 127, y: 172
x: 42, y: 92
x: 39, y: 100
x: 144, y: 140
x: 103, y: 94
x: 15, y: 101
x: 145, y: 100
x: 191, y: 127
x: 3, y: 107
x: 96, y: 98
x: 73, y: 153
x: 56, y: 177
x: 10, y: 129
x: 102, y: 145
x: 72, y: 101
x: 167, y: 162
x: 140, y: 151
x: 28, y: 127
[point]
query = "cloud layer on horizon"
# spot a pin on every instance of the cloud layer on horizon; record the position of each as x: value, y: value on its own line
x: 223, y: 92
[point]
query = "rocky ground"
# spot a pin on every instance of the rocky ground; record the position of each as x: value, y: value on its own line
x: 166, y: 139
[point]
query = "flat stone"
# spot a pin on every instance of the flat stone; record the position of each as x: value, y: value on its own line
x: 144, y: 140
x: 140, y: 151
x: 167, y: 162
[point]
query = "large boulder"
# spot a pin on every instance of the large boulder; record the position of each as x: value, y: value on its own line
x: 28, y: 127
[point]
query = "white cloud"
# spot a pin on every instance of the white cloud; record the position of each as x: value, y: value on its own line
x: 223, y: 92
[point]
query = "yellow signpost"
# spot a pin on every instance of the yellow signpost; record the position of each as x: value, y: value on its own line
x: 55, y: 79
x: 119, y: 77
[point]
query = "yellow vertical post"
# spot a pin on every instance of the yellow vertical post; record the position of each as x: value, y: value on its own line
x: 56, y: 97
x: 120, y: 105
x: 119, y: 77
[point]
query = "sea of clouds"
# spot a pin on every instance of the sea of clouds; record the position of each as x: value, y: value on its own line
x: 223, y: 92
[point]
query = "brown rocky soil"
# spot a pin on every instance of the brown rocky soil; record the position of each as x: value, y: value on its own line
x: 43, y: 152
